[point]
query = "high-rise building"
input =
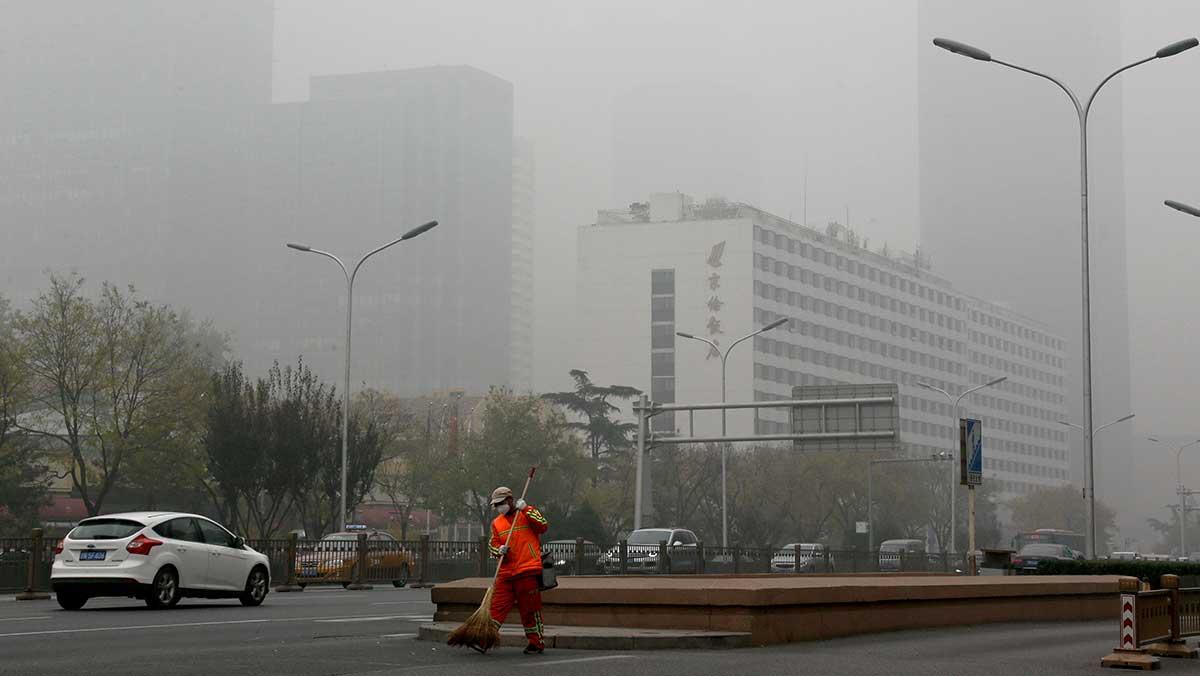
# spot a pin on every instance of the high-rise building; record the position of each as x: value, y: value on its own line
x: 999, y: 185
x: 721, y: 270
x: 524, y: 222
x: 369, y: 157
x: 93, y: 96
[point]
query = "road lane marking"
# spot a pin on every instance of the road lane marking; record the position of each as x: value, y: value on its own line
x: 18, y: 619
x: 398, y: 636
x: 89, y: 630
x: 50, y: 632
x: 379, y: 618
x: 576, y: 660
x: 458, y: 666
x: 369, y: 618
x: 396, y: 603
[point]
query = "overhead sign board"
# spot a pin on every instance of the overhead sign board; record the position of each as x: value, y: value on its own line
x: 970, y: 451
x: 845, y: 425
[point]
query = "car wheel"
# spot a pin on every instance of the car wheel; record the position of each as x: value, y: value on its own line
x: 302, y: 585
x: 404, y: 573
x: 256, y: 588
x: 164, y: 591
x: 70, y: 601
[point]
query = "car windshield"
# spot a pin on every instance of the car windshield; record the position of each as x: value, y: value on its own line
x: 648, y: 537
x: 105, y: 529
x: 1041, y: 550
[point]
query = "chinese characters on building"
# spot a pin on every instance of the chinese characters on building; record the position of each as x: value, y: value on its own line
x: 715, y: 303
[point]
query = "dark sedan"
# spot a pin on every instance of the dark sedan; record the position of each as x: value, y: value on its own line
x: 1026, y: 561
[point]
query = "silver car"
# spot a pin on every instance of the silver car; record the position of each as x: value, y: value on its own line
x: 802, y: 557
x: 642, y: 552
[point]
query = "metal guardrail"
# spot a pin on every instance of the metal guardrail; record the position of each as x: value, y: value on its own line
x: 25, y: 564
x: 1155, y: 624
x: 296, y: 563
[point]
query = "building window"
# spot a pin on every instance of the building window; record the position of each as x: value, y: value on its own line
x: 662, y: 283
x: 662, y: 346
x: 662, y: 336
x: 662, y: 309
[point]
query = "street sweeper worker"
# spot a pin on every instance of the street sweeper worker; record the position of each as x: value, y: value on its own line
x: 520, y: 564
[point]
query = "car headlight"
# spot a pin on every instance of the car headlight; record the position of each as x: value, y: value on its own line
x: 653, y: 555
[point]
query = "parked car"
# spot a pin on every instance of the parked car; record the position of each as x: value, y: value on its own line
x: 1126, y: 556
x: 563, y: 551
x: 335, y: 558
x: 1026, y: 561
x: 159, y: 557
x: 642, y: 552
x: 893, y: 554
x: 802, y: 557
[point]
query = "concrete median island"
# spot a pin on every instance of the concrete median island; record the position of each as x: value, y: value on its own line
x: 770, y: 609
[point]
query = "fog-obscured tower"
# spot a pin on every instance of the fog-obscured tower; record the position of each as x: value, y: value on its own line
x: 999, y: 184
x: 370, y: 156
x: 524, y: 223
x: 92, y: 94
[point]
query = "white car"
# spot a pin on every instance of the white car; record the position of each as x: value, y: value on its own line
x: 159, y: 557
x: 802, y: 557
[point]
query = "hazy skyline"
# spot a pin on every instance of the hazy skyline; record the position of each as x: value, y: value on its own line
x: 809, y: 110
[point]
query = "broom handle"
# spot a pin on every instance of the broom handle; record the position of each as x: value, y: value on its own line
x: 513, y: 527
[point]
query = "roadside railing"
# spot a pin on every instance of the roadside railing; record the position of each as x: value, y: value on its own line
x: 425, y: 562
x: 360, y: 561
x: 355, y: 561
x: 25, y: 565
x: 1155, y: 623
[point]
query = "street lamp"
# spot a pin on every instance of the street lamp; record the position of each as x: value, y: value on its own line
x: 1090, y: 441
x: 953, y: 483
x: 942, y: 456
x: 1082, y: 110
x: 1101, y: 428
x: 1185, y: 208
x: 1182, y: 496
x: 420, y: 229
x: 725, y: 358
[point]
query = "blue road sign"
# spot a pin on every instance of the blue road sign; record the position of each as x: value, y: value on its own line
x: 971, y: 451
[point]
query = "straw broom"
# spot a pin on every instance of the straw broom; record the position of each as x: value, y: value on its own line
x: 478, y: 632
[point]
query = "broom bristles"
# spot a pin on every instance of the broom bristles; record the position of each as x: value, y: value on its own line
x: 477, y: 632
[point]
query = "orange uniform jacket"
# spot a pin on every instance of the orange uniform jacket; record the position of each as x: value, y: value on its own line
x: 525, y: 548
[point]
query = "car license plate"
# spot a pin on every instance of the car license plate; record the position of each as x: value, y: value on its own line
x: 91, y: 556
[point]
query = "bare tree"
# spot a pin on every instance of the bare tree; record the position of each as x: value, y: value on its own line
x: 62, y: 355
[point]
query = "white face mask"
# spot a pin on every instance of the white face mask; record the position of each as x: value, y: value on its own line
x: 502, y: 508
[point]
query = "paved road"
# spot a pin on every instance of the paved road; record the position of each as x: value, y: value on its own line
x: 361, y: 633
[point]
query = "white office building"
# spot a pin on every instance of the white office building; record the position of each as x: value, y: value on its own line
x: 720, y: 270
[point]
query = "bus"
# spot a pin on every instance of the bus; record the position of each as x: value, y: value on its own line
x: 1053, y: 536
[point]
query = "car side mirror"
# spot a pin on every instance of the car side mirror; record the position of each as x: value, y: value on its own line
x: 239, y: 542
x: 677, y: 543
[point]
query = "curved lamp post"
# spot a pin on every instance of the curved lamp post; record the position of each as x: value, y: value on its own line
x: 419, y: 230
x: 1082, y: 110
x: 954, y: 402
x: 724, y: 359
